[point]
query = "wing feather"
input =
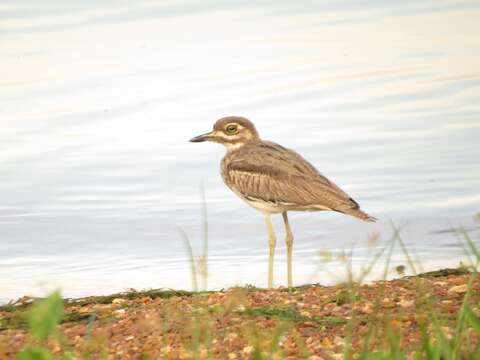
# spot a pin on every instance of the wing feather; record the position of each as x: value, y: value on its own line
x: 272, y: 173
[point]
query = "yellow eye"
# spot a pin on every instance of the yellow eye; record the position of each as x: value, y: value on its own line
x: 231, y: 129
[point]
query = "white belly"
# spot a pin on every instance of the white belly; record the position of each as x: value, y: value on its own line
x: 264, y: 206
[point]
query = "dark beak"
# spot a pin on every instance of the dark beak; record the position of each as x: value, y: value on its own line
x: 203, y: 137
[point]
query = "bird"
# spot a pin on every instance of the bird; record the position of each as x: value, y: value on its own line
x: 275, y: 180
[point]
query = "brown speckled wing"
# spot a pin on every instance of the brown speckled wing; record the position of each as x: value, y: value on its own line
x: 272, y: 173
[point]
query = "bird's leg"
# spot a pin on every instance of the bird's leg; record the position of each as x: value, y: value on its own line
x: 271, y: 244
x: 289, y: 243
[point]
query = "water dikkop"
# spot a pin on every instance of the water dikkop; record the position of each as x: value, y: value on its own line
x: 273, y: 179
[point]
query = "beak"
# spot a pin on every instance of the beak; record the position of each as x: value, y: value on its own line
x: 203, y: 137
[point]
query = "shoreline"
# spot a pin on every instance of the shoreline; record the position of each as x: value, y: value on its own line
x: 132, y: 294
x: 304, y: 278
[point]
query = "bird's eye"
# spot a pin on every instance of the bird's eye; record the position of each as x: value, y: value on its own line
x: 231, y: 129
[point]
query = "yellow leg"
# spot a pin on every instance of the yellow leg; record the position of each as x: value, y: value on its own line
x: 271, y: 244
x: 289, y: 243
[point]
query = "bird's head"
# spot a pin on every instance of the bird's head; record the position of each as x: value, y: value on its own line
x: 231, y: 131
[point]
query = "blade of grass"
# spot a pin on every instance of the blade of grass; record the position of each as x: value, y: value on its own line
x: 471, y: 245
x: 183, y: 234
x: 404, y: 249
x: 472, y: 319
x: 204, y: 270
x: 278, y: 332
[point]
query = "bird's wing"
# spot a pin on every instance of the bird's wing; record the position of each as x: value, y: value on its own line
x: 272, y: 173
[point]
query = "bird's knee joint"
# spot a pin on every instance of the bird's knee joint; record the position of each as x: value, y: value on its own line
x: 289, y: 240
x: 272, y: 241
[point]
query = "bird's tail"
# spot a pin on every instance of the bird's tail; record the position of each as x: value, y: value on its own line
x: 362, y: 215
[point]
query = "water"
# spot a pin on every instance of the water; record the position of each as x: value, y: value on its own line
x: 98, y: 101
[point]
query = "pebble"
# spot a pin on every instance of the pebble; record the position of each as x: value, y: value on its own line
x: 118, y: 301
x: 367, y: 308
x: 406, y: 303
x: 459, y: 289
x: 120, y: 312
x: 248, y: 349
x: 388, y: 303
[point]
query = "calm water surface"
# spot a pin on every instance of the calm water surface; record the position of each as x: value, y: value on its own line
x: 98, y: 101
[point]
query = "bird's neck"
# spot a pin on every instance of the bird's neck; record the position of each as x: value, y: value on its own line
x: 234, y: 146
x: 237, y: 145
